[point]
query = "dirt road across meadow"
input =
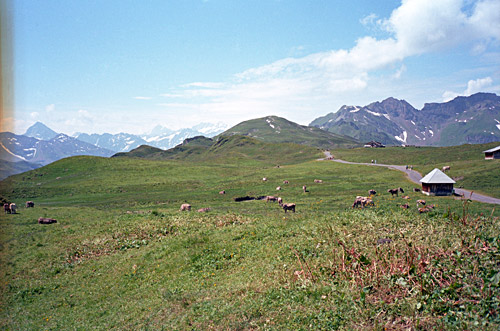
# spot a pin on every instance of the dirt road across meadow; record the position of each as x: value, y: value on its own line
x: 415, y: 177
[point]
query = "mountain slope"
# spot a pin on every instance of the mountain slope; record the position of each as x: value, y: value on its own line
x: 226, y: 149
x: 121, y: 142
x: 40, y: 131
x: 21, y: 148
x: 474, y: 119
x: 273, y: 129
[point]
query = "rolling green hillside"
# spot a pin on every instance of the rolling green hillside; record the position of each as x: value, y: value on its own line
x: 122, y: 256
x: 468, y: 166
x: 227, y: 148
x: 279, y: 130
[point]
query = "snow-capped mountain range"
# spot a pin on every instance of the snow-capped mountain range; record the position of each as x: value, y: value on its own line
x: 40, y: 145
x: 160, y: 137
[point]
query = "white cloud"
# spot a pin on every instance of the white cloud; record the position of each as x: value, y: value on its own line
x: 478, y: 85
x: 473, y: 86
x: 142, y: 98
x: 50, y: 108
x: 81, y: 117
x: 34, y: 115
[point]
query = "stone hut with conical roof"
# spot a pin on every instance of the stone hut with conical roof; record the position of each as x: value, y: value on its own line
x: 437, y: 182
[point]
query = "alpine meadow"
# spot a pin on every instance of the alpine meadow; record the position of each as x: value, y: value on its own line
x: 250, y: 165
x: 123, y: 256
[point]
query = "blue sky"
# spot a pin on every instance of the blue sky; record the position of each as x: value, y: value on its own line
x: 127, y: 66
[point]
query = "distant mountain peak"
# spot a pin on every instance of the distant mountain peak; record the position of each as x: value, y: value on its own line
x: 40, y: 131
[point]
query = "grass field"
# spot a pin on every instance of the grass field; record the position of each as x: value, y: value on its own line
x: 468, y: 166
x: 122, y: 255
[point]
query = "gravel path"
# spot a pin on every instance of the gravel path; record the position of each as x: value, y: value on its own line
x: 415, y: 177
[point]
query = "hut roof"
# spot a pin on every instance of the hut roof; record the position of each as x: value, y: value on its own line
x: 494, y: 149
x: 436, y: 176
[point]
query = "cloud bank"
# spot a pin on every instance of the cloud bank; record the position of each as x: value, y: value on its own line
x: 295, y: 85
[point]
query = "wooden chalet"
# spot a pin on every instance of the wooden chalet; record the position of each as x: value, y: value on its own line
x: 373, y: 144
x: 437, y: 182
x: 493, y: 153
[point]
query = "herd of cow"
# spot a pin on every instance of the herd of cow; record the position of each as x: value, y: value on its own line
x: 362, y: 202
x: 269, y: 198
x: 11, y: 208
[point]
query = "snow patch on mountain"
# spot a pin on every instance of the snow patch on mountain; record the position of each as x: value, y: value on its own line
x: 405, y: 136
x: 373, y: 113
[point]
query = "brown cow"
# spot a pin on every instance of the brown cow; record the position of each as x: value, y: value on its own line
x: 288, y: 206
x: 185, y: 206
x: 30, y: 204
x: 286, y: 182
x: 204, y: 210
x: 319, y: 181
x: 362, y: 201
x: 423, y: 210
x: 46, y: 220
x: 271, y: 198
x: 372, y: 192
x: 394, y: 191
x: 6, y: 208
x: 405, y: 206
x: 421, y: 202
x: 446, y: 168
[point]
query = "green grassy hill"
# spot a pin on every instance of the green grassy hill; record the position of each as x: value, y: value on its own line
x: 468, y: 166
x: 279, y: 130
x: 229, y: 149
x: 122, y: 255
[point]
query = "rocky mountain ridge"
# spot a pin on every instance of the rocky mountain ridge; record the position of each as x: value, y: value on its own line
x: 474, y: 119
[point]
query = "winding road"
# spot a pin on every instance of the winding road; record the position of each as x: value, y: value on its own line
x: 415, y: 177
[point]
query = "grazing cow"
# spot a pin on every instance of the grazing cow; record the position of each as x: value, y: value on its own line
x: 362, y: 201
x: 13, y: 208
x: 304, y: 188
x: 406, y: 197
x: 30, y: 204
x: 421, y: 202
x: 271, y: 198
x: 288, y: 206
x: 46, y: 220
x: 416, y: 189
x: 423, y: 210
x: 286, y: 182
x: 185, y: 206
x: 222, y: 192
x: 446, y: 168
x: 372, y: 192
x: 394, y: 191
x: 6, y: 208
x: 203, y: 210
x: 280, y: 201
x: 278, y: 188
x: 319, y: 181
x: 405, y: 206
